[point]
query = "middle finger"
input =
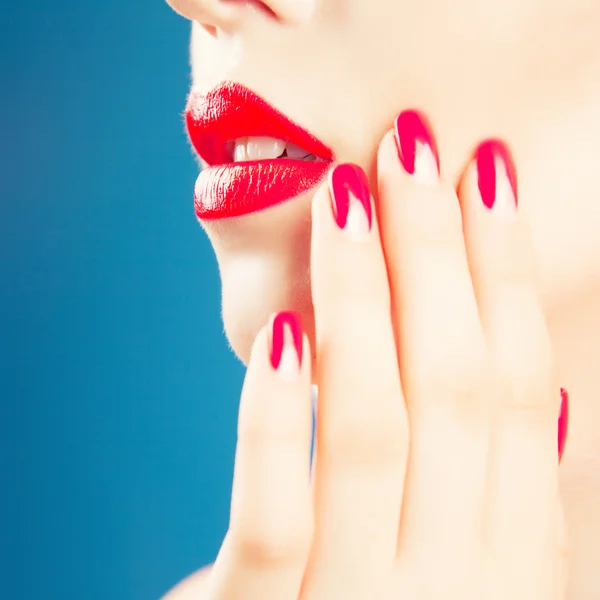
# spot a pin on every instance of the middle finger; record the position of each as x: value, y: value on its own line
x: 441, y: 352
x: 361, y: 441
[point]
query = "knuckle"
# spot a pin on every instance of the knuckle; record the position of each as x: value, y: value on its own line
x: 529, y: 402
x: 457, y: 386
x: 268, y: 425
x: 362, y: 288
x: 255, y: 431
x: 266, y: 543
x: 530, y: 398
x: 367, y: 440
x: 262, y: 444
x: 364, y: 313
x: 527, y: 381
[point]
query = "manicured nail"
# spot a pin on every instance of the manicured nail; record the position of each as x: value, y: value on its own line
x: 497, y: 177
x: 349, y: 188
x: 417, y: 148
x: 563, y: 422
x: 286, y: 343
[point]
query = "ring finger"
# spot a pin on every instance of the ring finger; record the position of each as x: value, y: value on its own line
x: 523, y: 482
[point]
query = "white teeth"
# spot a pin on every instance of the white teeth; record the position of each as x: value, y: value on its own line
x: 239, y: 150
x: 295, y: 152
x: 261, y: 148
x: 258, y: 148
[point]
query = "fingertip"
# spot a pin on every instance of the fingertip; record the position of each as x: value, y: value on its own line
x: 488, y: 185
x: 306, y: 367
x: 276, y: 391
x: 387, y: 156
x: 467, y: 184
x: 260, y: 348
x: 286, y: 344
x: 281, y: 346
x: 321, y: 204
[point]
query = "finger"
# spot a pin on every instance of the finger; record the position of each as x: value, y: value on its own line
x: 266, y: 547
x: 361, y: 420
x: 441, y: 350
x: 522, y: 510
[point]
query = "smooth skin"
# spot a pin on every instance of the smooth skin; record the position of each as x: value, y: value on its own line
x: 436, y: 471
x: 525, y: 71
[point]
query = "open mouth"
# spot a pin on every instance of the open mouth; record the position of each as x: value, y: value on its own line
x: 264, y: 148
x: 256, y: 156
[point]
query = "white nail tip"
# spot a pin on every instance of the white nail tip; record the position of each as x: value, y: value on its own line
x: 505, y: 204
x: 426, y: 168
x: 289, y: 367
x: 357, y: 223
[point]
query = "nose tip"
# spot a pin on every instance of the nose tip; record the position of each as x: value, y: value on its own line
x: 226, y: 14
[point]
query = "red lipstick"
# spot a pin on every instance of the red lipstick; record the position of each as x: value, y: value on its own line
x: 226, y: 188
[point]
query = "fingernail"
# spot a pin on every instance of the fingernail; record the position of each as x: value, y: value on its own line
x: 497, y: 177
x: 417, y: 148
x: 563, y: 422
x: 286, y: 343
x: 349, y: 188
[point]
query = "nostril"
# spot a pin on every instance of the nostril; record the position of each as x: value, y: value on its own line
x: 257, y: 5
x: 238, y: 6
x: 293, y: 13
x: 216, y: 15
x: 210, y: 29
x: 266, y: 9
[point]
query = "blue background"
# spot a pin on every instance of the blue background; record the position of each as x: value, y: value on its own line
x: 118, y: 390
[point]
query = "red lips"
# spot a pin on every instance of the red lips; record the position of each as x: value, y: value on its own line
x: 227, y: 189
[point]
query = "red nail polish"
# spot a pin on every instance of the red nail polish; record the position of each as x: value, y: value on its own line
x: 486, y: 155
x: 412, y: 128
x: 563, y: 422
x: 294, y: 323
x: 344, y: 179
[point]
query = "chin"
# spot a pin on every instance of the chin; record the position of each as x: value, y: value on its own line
x: 253, y: 199
x: 253, y: 291
x: 264, y: 264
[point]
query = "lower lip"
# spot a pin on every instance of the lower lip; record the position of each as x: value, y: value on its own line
x: 242, y: 188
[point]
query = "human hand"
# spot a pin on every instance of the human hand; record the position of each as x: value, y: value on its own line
x: 435, y: 472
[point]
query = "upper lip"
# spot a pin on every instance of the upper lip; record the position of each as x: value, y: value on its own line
x: 231, y: 111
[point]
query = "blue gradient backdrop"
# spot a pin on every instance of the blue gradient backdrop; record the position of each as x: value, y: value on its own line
x: 118, y: 390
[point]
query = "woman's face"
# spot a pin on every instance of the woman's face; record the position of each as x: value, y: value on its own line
x: 342, y: 70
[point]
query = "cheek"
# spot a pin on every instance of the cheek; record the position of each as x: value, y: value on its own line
x: 566, y: 235
x: 561, y: 194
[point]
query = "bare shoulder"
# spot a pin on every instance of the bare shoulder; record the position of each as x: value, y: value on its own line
x: 192, y: 587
